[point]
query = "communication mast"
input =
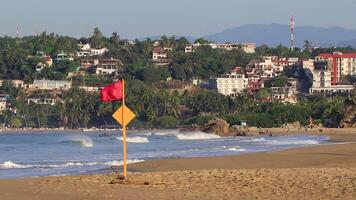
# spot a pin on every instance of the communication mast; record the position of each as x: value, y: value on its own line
x: 292, y: 26
x: 17, y: 31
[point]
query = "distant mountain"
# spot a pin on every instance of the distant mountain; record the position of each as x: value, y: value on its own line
x: 348, y: 43
x: 157, y: 37
x: 275, y: 34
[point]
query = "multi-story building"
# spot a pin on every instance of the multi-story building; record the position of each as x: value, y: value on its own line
x: 229, y: 84
x: 273, y: 66
x: 109, y: 67
x: 254, y: 86
x: 86, y: 63
x: 159, y: 54
x: 247, y: 47
x: 322, y: 71
x: 341, y: 64
x: 85, y: 50
x: 98, y: 52
x: 51, y: 85
x: 286, y: 94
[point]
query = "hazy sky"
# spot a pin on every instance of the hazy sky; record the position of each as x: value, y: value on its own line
x: 138, y: 18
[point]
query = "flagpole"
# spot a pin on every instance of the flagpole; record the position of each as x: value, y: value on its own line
x: 124, y: 130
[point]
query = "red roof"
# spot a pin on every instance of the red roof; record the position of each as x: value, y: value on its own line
x: 158, y: 50
x: 344, y: 55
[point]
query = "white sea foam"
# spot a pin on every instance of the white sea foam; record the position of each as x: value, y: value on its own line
x: 196, y: 136
x: 119, y: 163
x: 256, y: 140
x: 291, y: 142
x: 281, y: 141
x: 11, y: 165
x: 237, y: 149
x: 167, y: 132
x: 136, y: 139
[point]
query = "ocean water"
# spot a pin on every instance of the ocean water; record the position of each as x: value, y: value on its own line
x: 62, y: 153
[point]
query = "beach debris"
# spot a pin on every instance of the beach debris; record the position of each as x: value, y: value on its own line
x: 119, y: 179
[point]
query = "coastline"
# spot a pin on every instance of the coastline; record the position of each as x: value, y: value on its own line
x: 317, y: 172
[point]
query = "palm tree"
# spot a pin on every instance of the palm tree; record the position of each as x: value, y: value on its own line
x: 307, y: 45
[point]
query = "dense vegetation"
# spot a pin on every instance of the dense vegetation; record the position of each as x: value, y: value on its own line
x: 157, y: 102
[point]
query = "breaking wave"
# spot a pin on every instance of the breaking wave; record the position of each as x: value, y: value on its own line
x: 136, y: 139
x: 196, y: 136
x: 83, y: 141
x: 167, y: 133
x: 11, y: 165
x: 301, y: 142
x: 237, y: 149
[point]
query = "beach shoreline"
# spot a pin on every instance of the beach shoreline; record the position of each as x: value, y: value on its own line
x: 316, y: 172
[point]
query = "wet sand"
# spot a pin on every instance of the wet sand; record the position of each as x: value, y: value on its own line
x: 320, y: 172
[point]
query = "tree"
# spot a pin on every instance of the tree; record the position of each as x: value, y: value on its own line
x: 97, y: 40
x: 201, y: 41
x: 263, y: 93
x: 307, y: 46
x: 115, y: 38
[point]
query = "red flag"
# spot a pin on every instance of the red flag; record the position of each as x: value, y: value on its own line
x: 112, y: 92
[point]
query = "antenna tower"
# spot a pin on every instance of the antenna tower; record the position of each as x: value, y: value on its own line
x: 292, y: 27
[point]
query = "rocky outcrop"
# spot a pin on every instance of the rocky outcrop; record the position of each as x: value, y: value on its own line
x: 349, y: 119
x: 217, y: 126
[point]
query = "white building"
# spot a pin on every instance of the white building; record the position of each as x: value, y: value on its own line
x: 45, y: 101
x: 86, y: 63
x: 98, y: 52
x: 87, y: 51
x: 159, y: 54
x: 51, y: 85
x: 84, y: 47
x: 273, y: 66
x: 286, y: 94
x: 334, y: 88
x: 109, y: 67
x: 322, y: 71
x: 247, y: 47
x: 229, y: 84
x: 342, y: 64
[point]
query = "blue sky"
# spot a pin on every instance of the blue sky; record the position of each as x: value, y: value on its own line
x: 139, y: 18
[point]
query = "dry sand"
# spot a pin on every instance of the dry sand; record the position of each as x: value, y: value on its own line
x: 321, y: 172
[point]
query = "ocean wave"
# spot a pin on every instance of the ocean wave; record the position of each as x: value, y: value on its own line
x: 283, y: 141
x: 136, y: 139
x: 167, y: 133
x: 82, y: 140
x: 256, y: 140
x: 11, y: 165
x: 237, y: 149
x: 298, y: 142
x: 119, y: 163
x: 196, y: 136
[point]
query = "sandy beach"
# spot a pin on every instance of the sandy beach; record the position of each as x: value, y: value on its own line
x: 319, y: 172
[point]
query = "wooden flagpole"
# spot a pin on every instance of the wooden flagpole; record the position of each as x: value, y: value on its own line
x: 124, y: 130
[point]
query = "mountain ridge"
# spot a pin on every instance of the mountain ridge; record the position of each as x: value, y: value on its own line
x: 275, y: 34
